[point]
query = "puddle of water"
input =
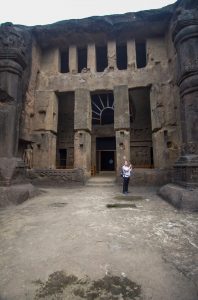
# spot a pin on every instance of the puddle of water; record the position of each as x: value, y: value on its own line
x: 121, y: 205
x: 129, y: 197
x: 58, y: 204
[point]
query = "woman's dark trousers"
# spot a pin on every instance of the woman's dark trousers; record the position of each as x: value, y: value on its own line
x: 125, y: 184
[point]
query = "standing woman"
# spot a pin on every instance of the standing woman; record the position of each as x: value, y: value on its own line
x: 126, y: 173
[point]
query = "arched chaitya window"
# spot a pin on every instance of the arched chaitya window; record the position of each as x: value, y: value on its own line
x: 102, y: 109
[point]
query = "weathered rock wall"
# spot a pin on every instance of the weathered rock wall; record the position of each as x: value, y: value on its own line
x: 28, y: 112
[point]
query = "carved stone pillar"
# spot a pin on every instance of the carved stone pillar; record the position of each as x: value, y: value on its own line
x: 121, y: 124
x: 111, y: 49
x: 184, y: 193
x: 185, y: 38
x: 12, y: 64
x: 82, y: 127
x: 73, y: 61
x: 91, y: 57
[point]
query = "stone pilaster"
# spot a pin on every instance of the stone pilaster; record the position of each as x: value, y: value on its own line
x: 50, y: 63
x: 121, y: 124
x: 45, y: 130
x: 82, y: 127
x: 131, y: 54
x: 185, y: 38
x: 91, y: 57
x: 111, y: 54
x: 73, y: 62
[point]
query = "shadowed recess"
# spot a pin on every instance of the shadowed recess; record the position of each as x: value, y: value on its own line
x: 58, y: 204
x: 128, y: 198
x: 121, y: 205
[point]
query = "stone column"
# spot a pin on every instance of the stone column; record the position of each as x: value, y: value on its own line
x: 45, y: 130
x: 185, y: 38
x: 82, y: 127
x: 73, y: 62
x: 184, y: 193
x: 131, y: 54
x: 12, y: 65
x: 50, y: 61
x: 91, y: 58
x: 111, y: 54
x: 121, y: 124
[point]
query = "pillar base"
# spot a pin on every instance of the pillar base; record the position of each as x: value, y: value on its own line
x: 186, y: 171
x: 12, y: 171
x: 16, y: 194
x: 181, y: 198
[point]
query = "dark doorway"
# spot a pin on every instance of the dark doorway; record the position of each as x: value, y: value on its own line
x: 107, y: 161
x: 63, y: 157
x: 65, y: 133
x: 105, y: 153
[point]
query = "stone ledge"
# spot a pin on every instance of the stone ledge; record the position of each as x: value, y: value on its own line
x: 56, y: 176
x: 181, y: 198
x: 149, y: 177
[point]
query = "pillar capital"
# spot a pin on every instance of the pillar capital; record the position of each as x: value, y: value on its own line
x: 185, y: 39
x: 12, y: 45
x: 180, y: 26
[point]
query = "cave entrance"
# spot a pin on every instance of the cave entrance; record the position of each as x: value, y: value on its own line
x: 105, y: 153
x: 65, y: 133
x: 140, y: 128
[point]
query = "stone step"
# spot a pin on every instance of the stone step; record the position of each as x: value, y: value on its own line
x: 94, y: 184
x: 101, y: 181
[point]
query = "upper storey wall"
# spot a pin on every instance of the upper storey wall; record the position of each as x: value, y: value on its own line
x: 116, y: 36
x: 156, y: 64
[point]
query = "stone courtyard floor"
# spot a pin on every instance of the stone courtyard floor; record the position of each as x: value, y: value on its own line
x: 93, y: 243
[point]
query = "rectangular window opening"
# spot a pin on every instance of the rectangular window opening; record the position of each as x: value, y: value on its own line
x: 101, y: 58
x: 64, y: 61
x: 121, y: 54
x: 140, y: 48
x: 82, y: 59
